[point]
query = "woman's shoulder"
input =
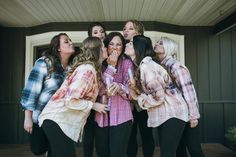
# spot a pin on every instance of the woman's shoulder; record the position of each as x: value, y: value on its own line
x: 174, y: 64
x: 86, y: 67
x: 148, y: 62
x: 41, y: 62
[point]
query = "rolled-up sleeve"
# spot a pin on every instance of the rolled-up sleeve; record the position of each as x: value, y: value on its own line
x: 81, y: 90
x: 184, y: 82
x: 34, y: 85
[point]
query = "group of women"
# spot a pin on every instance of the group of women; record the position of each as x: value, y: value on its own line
x: 114, y: 85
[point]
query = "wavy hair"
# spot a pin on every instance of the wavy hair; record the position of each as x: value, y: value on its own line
x: 138, y: 26
x: 90, y: 28
x: 52, y: 55
x: 170, y: 47
x: 107, y: 41
x: 142, y: 47
x: 90, y: 54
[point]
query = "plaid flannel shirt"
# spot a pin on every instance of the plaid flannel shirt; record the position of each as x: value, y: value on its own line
x: 40, y: 86
x: 181, y: 75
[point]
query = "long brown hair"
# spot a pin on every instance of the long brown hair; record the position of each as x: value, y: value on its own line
x: 52, y: 55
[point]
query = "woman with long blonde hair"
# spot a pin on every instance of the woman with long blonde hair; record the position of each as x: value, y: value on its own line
x: 131, y: 29
x: 65, y: 115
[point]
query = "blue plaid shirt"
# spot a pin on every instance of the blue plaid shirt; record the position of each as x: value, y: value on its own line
x: 40, y: 87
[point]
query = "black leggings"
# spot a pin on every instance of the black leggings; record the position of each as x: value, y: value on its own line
x: 191, y: 139
x: 169, y: 134
x: 61, y: 145
x: 148, y: 144
x: 89, y: 135
x: 112, y: 141
x: 38, y: 141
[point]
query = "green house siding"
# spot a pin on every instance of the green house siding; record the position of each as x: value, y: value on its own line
x: 211, y: 60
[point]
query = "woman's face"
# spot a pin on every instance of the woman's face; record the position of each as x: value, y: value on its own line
x: 159, y: 50
x: 98, y: 31
x: 129, y: 50
x: 115, y: 45
x: 66, y: 46
x: 128, y: 31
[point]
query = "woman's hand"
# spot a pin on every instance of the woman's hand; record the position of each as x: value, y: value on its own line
x: 100, y: 108
x: 114, y: 88
x: 133, y: 89
x: 113, y: 59
x: 132, y: 84
x: 134, y: 94
x: 28, y: 122
x: 193, y: 123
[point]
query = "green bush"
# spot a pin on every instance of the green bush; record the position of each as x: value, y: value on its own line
x: 231, y: 135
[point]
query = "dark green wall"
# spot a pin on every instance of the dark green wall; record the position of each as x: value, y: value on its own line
x: 211, y: 60
x: 12, y: 49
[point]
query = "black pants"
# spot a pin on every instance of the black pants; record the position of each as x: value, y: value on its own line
x: 148, y: 144
x: 38, y: 141
x: 61, y: 145
x: 191, y: 139
x: 169, y: 134
x: 89, y: 135
x: 112, y: 141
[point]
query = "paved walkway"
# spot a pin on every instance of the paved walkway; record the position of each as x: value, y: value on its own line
x: 211, y: 150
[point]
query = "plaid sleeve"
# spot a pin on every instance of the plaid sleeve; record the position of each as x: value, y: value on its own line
x: 124, y: 90
x: 184, y: 82
x: 82, y: 89
x: 34, y: 85
x: 152, y: 85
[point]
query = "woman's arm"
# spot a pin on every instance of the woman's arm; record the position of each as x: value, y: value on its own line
x: 31, y: 92
x: 152, y: 84
x: 83, y: 90
x: 34, y: 85
x: 184, y: 82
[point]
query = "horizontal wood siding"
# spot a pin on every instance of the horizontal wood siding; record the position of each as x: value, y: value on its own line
x: 12, y: 64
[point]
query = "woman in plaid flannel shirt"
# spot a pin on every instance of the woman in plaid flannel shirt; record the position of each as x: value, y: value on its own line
x: 155, y: 92
x: 166, y: 49
x: 45, y: 78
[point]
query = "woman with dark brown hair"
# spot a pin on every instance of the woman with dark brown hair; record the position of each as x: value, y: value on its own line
x: 113, y: 129
x: 155, y: 92
x: 45, y: 78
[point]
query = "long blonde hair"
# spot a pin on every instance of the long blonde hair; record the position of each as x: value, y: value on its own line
x: 170, y: 47
x: 90, y: 54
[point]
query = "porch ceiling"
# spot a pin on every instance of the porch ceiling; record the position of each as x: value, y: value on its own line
x: 27, y: 13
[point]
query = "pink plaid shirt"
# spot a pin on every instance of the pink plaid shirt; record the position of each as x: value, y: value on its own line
x: 183, y: 80
x: 160, y: 97
x: 120, y: 109
x: 70, y: 106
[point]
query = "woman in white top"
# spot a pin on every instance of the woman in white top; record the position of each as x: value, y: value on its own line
x: 156, y: 93
x: 66, y: 113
